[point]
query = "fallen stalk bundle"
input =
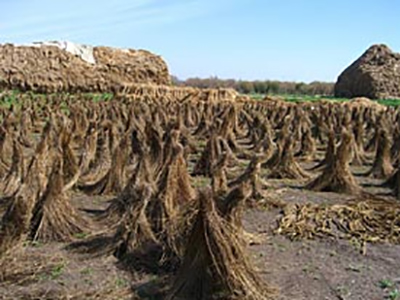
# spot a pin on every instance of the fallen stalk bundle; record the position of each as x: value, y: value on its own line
x: 374, y: 221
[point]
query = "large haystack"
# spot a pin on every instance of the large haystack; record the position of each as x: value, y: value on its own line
x: 49, y: 68
x: 376, y: 75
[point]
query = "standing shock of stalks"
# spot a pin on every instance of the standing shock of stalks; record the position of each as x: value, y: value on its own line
x: 135, y: 230
x: 167, y: 208
x: 330, y: 152
x: 13, y: 179
x: 393, y: 182
x: 215, y: 262
x: 219, y: 181
x: 212, y: 151
x: 99, y: 167
x: 382, y: 167
x: 308, y: 146
x: 252, y: 176
x: 114, y: 180
x: 286, y: 165
x: 336, y: 176
x: 54, y: 218
x: 16, y: 221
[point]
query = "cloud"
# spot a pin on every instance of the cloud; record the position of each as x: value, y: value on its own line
x: 47, y: 19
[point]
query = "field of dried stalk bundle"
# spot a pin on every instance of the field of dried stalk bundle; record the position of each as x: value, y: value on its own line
x: 179, y: 193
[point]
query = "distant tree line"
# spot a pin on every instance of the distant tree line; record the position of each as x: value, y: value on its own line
x: 260, y: 87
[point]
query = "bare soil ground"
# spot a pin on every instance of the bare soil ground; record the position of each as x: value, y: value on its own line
x: 318, y: 269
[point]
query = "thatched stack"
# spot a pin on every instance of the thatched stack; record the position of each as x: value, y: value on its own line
x: 376, y: 75
x: 51, y: 69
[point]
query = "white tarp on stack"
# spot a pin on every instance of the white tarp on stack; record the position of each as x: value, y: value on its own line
x: 85, y: 52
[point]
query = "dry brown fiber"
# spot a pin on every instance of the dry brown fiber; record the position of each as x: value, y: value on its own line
x: 376, y: 221
x: 51, y: 69
x: 376, y: 75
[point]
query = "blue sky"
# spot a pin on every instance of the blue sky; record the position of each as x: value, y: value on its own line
x: 299, y: 40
